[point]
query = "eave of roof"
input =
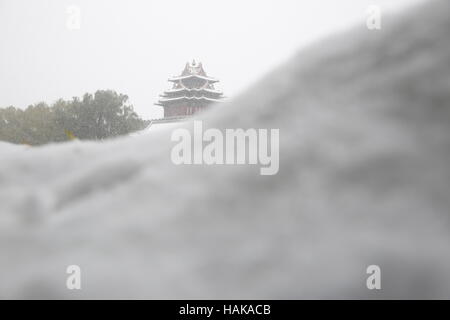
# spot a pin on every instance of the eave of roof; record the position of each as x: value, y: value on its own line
x: 193, y: 89
x: 187, y: 98
x: 178, y: 78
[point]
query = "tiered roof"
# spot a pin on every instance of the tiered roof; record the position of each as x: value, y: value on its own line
x: 192, y: 85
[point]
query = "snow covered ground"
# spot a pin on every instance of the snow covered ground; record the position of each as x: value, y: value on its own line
x: 364, y: 179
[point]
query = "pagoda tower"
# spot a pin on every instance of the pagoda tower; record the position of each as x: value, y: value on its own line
x: 191, y: 92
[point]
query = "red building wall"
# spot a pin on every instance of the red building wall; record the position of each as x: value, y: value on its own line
x: 182, y: 110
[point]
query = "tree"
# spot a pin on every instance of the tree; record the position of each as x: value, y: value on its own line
x: 100, y: 116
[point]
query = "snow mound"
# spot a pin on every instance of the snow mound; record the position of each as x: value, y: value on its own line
x: 364, y: 125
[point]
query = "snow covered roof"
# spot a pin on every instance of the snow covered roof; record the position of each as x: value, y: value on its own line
x: 193, y: 70
x: 193, y: 89
x: 190, y: 76
x: 188, y: 98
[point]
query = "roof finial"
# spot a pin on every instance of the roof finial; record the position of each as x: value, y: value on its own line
x: 193, y: 62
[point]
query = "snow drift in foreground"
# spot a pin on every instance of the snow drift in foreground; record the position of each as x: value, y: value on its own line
x: 364, y: 179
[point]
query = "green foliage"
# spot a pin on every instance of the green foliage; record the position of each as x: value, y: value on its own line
x: 95, y: 117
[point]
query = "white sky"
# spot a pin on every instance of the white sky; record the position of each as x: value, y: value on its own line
x: 133, y: 46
